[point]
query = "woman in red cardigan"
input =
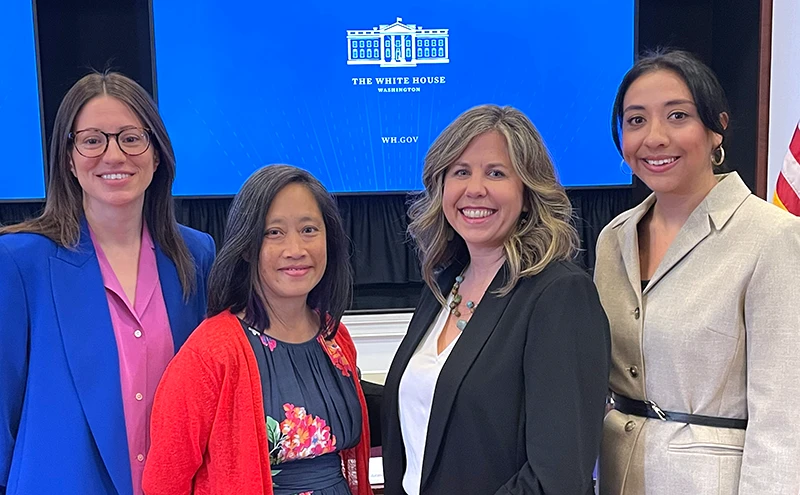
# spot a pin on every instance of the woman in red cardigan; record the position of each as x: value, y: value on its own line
x: 264, y: 397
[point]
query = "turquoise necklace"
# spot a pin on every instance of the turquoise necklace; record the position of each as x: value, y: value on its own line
x: 454, y: 303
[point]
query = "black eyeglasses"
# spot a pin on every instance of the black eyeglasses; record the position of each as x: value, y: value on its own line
x: 92, y: 143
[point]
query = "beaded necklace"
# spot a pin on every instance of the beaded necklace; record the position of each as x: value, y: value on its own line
x: 454, y: 303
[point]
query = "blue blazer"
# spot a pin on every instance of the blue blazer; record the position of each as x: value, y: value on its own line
x: 62, y: 426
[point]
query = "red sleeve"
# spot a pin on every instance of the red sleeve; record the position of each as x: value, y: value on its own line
x: 355, y: 461
x: 183, y: 412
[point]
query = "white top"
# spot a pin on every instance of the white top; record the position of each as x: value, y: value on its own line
x: 415, y: 398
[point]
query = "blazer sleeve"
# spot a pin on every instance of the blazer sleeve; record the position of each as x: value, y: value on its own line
x: 183, y: 413
x: 771, y: 458
x: 14, y: 326
x: 566, y: 364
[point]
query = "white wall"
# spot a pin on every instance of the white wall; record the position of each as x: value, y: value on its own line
x: 377, y: 338
x: 784, y: 99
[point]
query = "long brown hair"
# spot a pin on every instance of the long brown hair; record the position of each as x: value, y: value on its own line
x: 63, y: 209
x: 546, y: 235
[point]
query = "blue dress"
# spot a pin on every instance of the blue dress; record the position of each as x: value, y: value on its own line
x: 312, y: 412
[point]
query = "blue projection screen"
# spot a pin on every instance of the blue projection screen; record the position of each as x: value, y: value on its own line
x: 356, y: 91
x: 20, y: 125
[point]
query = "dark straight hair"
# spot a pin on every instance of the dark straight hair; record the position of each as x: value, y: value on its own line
x: 63, y: 208
x: 234, y: 279
x: 707, y: 93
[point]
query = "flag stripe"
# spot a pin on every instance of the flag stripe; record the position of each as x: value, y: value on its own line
x: 786, y: 195
x: 791, y: 164
x: 777, y: 201
x: 794, y: 145
x: 786, y: 189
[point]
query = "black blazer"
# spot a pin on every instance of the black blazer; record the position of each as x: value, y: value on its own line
x: 518, y: 407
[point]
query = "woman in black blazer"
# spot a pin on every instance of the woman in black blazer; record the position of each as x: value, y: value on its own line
x: 499, y: 385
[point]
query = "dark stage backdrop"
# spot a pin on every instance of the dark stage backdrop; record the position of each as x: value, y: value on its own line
x: 385, y: 264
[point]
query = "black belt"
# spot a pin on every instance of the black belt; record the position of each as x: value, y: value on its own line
x: 649, y: 409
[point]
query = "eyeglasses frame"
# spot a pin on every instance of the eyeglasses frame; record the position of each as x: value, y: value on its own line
x: 108, y: 135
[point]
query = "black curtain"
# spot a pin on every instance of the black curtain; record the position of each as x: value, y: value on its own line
x: 594, y: 209
x: 386, y: 270
x: 11, y: 213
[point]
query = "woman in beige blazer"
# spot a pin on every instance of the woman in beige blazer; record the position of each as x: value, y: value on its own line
x: 699, y: 283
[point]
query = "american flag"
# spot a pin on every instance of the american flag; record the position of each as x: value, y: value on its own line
x: 787, y: 189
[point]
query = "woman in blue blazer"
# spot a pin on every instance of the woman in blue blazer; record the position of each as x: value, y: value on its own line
x: 68, y: 277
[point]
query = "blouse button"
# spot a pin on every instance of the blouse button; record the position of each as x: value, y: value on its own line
x: 137, y: 333
x: 629, y: 426
x: 636, y: 313
x: 634, y: 371
x: 140, y: 457
x: 139, y: 396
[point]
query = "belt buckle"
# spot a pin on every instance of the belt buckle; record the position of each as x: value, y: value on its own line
x: 659, y: 412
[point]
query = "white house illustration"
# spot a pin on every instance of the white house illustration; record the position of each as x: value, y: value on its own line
x: 397, y: 45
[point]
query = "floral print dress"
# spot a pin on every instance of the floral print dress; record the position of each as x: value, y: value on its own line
x: 312, y: 412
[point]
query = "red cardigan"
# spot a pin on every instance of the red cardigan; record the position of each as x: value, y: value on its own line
x: 208, y: 431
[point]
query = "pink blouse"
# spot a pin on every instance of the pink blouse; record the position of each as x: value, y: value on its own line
x: 144, y: 345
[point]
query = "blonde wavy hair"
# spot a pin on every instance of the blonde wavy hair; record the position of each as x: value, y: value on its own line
x: 547, y: 235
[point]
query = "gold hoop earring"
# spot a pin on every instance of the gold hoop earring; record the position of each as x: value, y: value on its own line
x: 714, y: 160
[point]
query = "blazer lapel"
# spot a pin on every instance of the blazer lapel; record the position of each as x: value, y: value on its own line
x: 424, y: 314
x: 713, y: 212
x: 696, y: 228
x: 181, y: 321
x: 91, y: 350
x: 628, y: 239
x: 478, y: 330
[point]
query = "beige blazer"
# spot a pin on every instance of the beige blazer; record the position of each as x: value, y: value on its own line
x: 715, y: 332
